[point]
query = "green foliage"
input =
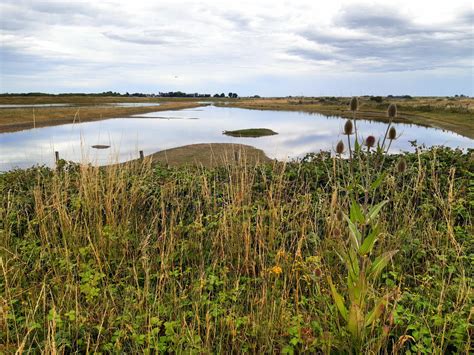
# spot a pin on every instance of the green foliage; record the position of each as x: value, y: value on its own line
x: 239, y: 258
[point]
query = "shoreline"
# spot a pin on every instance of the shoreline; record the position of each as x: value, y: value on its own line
x: 207, y: 155
x: 28, y: 118
x: 464, y: 126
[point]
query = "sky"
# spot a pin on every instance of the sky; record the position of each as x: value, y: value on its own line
x: 258, y: 47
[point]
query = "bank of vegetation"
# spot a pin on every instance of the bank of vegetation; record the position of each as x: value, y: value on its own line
x: 357, y: 251
x: 452, y: 113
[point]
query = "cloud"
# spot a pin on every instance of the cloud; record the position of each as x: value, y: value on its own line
x: 382, y: 39
x: 255, y: 46
x: 141, y: 38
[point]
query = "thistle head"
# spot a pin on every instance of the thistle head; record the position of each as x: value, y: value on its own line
x: 340, y: 148
x: 354, y: 104
x: 348, y: 128
x: 370, y: 141
x: 392, y: 133
x: 401, y: 166
x: 392, y: 111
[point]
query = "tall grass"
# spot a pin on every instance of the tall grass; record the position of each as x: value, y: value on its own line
x: 141, y: 258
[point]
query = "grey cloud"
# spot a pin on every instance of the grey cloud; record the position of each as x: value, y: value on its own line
x: 136, y: 39
x: 16, y: 16
x: 239, y: 21
x: 370, y: 18
x: 69, y: 7
x: 390, y: 42
x: 152, y: 37
x: 310, y: 54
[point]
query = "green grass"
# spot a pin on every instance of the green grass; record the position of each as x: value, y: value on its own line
x: 144, y: 258
x: 250, y: 132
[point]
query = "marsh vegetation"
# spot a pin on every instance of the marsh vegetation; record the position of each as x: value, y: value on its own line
x: 326, y: 254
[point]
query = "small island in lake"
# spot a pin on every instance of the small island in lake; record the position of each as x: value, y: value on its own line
x: 250, y: 132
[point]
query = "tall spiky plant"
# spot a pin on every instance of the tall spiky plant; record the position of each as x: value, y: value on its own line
x: 363, y: 308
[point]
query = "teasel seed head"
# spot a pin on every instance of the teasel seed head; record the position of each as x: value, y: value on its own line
x: 392, y: 110
x: 340, y: 148
x: 370, y: 141
x: 392, y: 133
x: 348, y: 128
x: 354, y: 104
x: 401, y: 166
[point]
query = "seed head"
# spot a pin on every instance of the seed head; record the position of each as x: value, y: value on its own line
x: 392, y: 110
x: 348, y: 128
x: 370, y: 141
x: 340, y: 148
x: 392, y: 133
x: 401, y: 166
x: 354, y: 104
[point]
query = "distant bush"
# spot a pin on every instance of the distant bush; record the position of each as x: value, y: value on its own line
x: 377, y: 99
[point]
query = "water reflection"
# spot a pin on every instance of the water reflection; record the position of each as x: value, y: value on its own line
x: 134, y: 104
x: 298, y: 133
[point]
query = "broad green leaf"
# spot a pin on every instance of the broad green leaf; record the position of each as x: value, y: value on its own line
x: 356, y: 212
x: 358, y: 290
x: 369, y: 241
x: 374, y: 211
x: 356, y: 237
x: 374, y: 314
x: 338, y: 300
x: 352, y: 263
x: 355, y: 323
x: 377, y: 182
x: 379, y: 264
x: 357, y: 146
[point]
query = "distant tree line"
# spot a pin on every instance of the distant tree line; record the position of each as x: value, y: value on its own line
x: 135, y: 94
x: 181, y: 94
x: 231, y: 95
x: 105, y: 93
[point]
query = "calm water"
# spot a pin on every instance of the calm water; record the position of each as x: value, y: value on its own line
x: 134, y: 104
x: 299, y: 133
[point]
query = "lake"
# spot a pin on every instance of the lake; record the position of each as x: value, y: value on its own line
x: 299, y: 133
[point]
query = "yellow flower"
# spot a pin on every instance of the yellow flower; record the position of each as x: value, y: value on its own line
x: 276, y: 270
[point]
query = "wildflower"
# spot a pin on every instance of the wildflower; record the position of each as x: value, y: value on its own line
x: 392, y: 133
x: 276, y: 270
x: 354, y: 104
x: 340, y: 148
x: 392, y: 110
x: 370, y: 141
x: 348, y: 128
